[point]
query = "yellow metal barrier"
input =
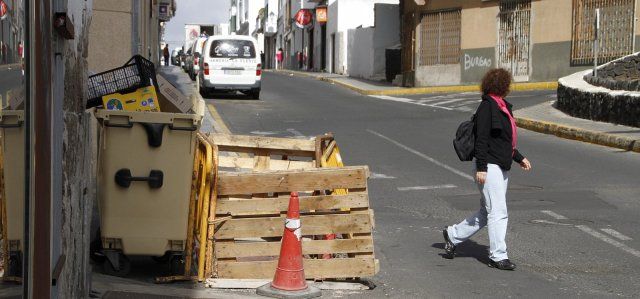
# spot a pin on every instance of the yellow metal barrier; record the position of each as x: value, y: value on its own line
x: 204, y: 173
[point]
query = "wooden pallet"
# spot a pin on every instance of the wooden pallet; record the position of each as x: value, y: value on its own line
x: 264, y: 153
x: 252, y: 195
x: 247, y: 244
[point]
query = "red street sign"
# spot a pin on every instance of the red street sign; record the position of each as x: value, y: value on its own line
x: 3, y: 10
x: 303, y: 18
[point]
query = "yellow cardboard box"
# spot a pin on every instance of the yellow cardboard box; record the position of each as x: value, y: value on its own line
x: 143, y: 99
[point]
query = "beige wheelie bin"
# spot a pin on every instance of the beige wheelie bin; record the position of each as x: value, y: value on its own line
x: 144, y: 183
x: 12, y: 132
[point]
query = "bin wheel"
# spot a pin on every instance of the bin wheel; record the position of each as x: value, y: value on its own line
x: 177, y: 265
x: 95, y: 250
x: 163, y: 259
x: 15, y: 265
x: 125, y: 266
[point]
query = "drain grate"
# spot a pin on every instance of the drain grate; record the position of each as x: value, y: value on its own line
x: 562, y: 222
x: 517, y: 187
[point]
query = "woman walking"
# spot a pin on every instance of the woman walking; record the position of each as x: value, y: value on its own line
x: 279, y: 58
x: 495, y: 149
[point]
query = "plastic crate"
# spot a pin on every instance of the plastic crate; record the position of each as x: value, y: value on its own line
x: 136, y: 73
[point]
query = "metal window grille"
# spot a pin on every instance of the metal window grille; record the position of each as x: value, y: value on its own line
x: 514, y: 37
x: 440, y: 38
x: 616, y: 30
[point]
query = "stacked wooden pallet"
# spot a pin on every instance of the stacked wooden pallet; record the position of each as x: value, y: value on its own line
x: 252, y: 198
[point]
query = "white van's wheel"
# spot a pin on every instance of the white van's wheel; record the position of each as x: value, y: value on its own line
x: 254, y: 94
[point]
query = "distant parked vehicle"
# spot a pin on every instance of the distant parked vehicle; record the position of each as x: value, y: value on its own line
x: 193, y: 63
x: 185, y: 59
x: 180, y: 58
x: 230, y: 63
x: 174, y: 57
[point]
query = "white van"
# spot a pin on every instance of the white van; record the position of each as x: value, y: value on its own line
x: 231, y: 63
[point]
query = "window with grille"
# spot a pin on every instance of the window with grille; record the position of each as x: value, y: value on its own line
x: 440, y: 38
x: 615, y: 35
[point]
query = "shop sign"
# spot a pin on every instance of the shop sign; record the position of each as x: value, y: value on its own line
x: 4, y: 10
x: 303, y: 18
x: 321, y: 14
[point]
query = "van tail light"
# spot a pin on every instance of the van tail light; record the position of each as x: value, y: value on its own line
x: 259, y: 70
x: 206, y: 68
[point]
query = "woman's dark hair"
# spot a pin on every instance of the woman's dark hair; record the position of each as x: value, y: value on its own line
x: 496, y: 81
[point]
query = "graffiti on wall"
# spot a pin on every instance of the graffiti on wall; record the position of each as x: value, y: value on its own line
x: 476, y: 61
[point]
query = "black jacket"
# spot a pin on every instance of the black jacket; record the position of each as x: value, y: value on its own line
x: 493, y: 136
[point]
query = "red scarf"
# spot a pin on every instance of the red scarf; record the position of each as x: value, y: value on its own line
x: 514, y: 129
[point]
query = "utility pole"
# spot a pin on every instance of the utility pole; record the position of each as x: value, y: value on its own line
x: 39, y: 141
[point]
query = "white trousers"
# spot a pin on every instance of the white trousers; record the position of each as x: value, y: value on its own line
x: 492, y: 213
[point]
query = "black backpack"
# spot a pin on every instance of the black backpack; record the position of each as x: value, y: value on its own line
x: 464, y: 143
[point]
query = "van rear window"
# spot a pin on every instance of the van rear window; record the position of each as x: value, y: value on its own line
x: 232, y: 48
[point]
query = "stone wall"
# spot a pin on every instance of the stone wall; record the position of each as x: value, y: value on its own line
x: 79, y: 149
x: 579, y: 98
x: 620, y: 74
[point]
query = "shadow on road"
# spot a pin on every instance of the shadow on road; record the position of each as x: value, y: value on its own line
x: 227, y: 96
x: 469, y: 248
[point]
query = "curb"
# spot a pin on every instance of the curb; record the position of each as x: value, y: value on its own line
x: 211, y: 109
x: 573, y: 133
x: 420, y: 90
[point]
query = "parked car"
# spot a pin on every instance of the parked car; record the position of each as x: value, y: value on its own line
x: 231, y: 63
x: 174, y: 57
x: 185, y: 60
x: 180, y: 58
x: 193, y: 64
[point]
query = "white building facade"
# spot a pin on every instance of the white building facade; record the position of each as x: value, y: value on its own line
x: 243, y: 16
x: 346, y: 36
x: 346, y: 15
x: 269, y: 22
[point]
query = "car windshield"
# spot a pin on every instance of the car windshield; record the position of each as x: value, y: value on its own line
x: 229, y: 48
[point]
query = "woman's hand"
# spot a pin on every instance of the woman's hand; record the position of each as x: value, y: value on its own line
x: 481, y: 177
x: 525, y: 164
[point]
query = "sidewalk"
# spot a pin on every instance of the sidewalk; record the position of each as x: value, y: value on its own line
x: 545, y: 118
x: 181, y: 81
x: 9, y: 66
x: 104, y: 286
x: 368, y: 87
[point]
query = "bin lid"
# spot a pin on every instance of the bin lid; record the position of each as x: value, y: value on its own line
x: 118, y: 117
x: 11, y: 118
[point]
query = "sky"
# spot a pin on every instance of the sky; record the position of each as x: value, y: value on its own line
x: 195, y: 11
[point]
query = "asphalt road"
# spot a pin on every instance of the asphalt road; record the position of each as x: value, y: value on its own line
x: 573, y: 227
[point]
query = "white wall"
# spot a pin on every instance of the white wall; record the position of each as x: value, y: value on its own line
x: 387, y: 34
x: 342, y: 18
x: 332, y: 28
x: 361, y: 59
x: 367, y: 46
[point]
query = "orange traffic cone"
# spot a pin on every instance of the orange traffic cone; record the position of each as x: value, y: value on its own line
x: 289, y: 280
